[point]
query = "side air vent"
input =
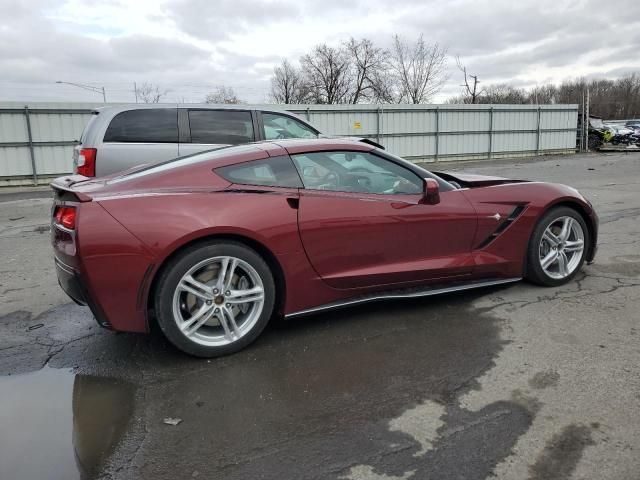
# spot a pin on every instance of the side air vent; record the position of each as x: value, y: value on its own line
x: 503, y: 226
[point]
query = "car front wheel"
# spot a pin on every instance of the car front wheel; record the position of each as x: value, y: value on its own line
x: 215, y: 298
x: 558, y: 247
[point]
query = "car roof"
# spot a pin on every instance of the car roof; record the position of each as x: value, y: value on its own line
x: 201, y: 106
x: 232, y: 154
x: 297, y: 145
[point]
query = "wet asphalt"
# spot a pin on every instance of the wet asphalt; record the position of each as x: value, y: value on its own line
x: 516, y: 382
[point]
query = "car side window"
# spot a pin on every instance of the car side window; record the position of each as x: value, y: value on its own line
x: 226, y: 127
x: 272, y: 172
x: 146, y: 125
x: 282, y: 126
x: 360, y: 172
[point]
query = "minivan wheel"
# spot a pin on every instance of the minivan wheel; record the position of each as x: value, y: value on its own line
x: 215, y: 298
x: 557, y: 248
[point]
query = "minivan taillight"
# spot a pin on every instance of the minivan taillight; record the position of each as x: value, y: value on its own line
x: 66, y: 216
x: 87, y: 162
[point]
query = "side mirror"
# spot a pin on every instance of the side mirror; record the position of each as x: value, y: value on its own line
x: 431, y: 193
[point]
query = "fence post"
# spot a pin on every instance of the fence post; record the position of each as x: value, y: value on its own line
x: 583, y: 141
x: 538, y: 131
x: 308, y: 115
x: 378, y: 132
x: 437, y: 134
x: 587, y: 115
x: 490, y: 132
x: 30, y: 139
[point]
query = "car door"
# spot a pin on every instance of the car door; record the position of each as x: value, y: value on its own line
x: 204, y: 128
x: 363, y: 223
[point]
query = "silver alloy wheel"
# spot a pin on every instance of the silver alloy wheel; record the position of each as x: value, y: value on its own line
x: 218, y: 301
x: 561, y: 247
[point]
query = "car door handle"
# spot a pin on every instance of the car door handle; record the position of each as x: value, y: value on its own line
x: 400, y: 205
x: 294, y: 202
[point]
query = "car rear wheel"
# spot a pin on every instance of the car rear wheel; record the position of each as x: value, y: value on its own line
x: 215, y: 299
x: 558, y: 247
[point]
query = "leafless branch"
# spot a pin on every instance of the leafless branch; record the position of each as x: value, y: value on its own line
x: 223, y: 95
x: 327, y: 74
x: 149, y: 93
x: 420, y: 69
x: 288, y: 85
x: 471, y: 92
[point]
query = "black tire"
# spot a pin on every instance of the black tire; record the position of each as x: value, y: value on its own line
x: 595, y: 142
x: 173, y: 272
x: 534, y: 271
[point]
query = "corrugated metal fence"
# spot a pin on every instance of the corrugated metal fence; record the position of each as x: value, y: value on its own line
x: 36, y: 140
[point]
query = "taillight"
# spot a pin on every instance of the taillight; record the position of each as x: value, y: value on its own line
x: 66, y: 216
x: 87, y: 162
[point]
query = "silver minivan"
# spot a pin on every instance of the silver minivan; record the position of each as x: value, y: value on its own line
x: 120, y: 137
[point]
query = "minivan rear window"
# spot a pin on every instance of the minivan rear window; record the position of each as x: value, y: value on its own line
x: 149, y: 125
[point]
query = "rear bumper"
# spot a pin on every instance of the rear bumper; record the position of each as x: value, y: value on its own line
x: 71, y: 283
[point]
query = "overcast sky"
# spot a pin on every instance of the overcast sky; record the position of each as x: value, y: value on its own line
x: 189, y: 46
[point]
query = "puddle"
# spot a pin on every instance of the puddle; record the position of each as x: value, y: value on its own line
x: 57, y: 425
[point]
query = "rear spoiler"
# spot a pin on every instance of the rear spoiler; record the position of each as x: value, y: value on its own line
x: 64, y: 184
x: 371, y: 142
x: 368, y: 141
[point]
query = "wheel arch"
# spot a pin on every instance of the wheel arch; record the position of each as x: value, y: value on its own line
x: 260, y: 248
x: 583, y: 211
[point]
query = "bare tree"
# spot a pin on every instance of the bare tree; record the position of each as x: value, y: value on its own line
x: 611, y: 99
x: 327, y: 74
x: 222, y: 94
x: 502, y: 93
x: 288, y: 85
x: 149, y: 93
x: 543, y: 94
x: 420, y: 69
x: 471, y: 92
x: 368, y: 64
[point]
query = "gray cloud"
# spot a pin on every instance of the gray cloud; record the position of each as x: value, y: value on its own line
x: 216, y: 20
x: 505, y: 41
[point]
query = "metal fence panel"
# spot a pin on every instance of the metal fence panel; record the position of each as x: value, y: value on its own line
x: 51, y: 127
x: 52, y: 160
x: 15, y: 161
x: 36, y: 140
x: 12, y: 128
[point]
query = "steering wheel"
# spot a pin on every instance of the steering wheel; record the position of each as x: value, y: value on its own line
x: 363, y: 181
x: 331, y: 178
x: 361, y: 169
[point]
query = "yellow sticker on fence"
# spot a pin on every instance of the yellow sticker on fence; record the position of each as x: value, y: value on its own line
x: 357, y: 125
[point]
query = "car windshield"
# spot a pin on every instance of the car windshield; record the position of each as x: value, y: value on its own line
x: 423, y: 172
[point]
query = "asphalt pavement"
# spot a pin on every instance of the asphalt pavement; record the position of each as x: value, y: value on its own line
x: 513, y: 382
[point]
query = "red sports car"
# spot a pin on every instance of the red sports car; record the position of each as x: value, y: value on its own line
x: 213, y: 245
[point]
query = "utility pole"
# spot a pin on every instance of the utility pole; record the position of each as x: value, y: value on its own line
x: 583, y: 126
x: 135, y: 91
x: 587, y: 117
x: 87, y: 87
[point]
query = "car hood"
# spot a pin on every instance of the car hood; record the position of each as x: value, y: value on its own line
x: 471, y: 180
